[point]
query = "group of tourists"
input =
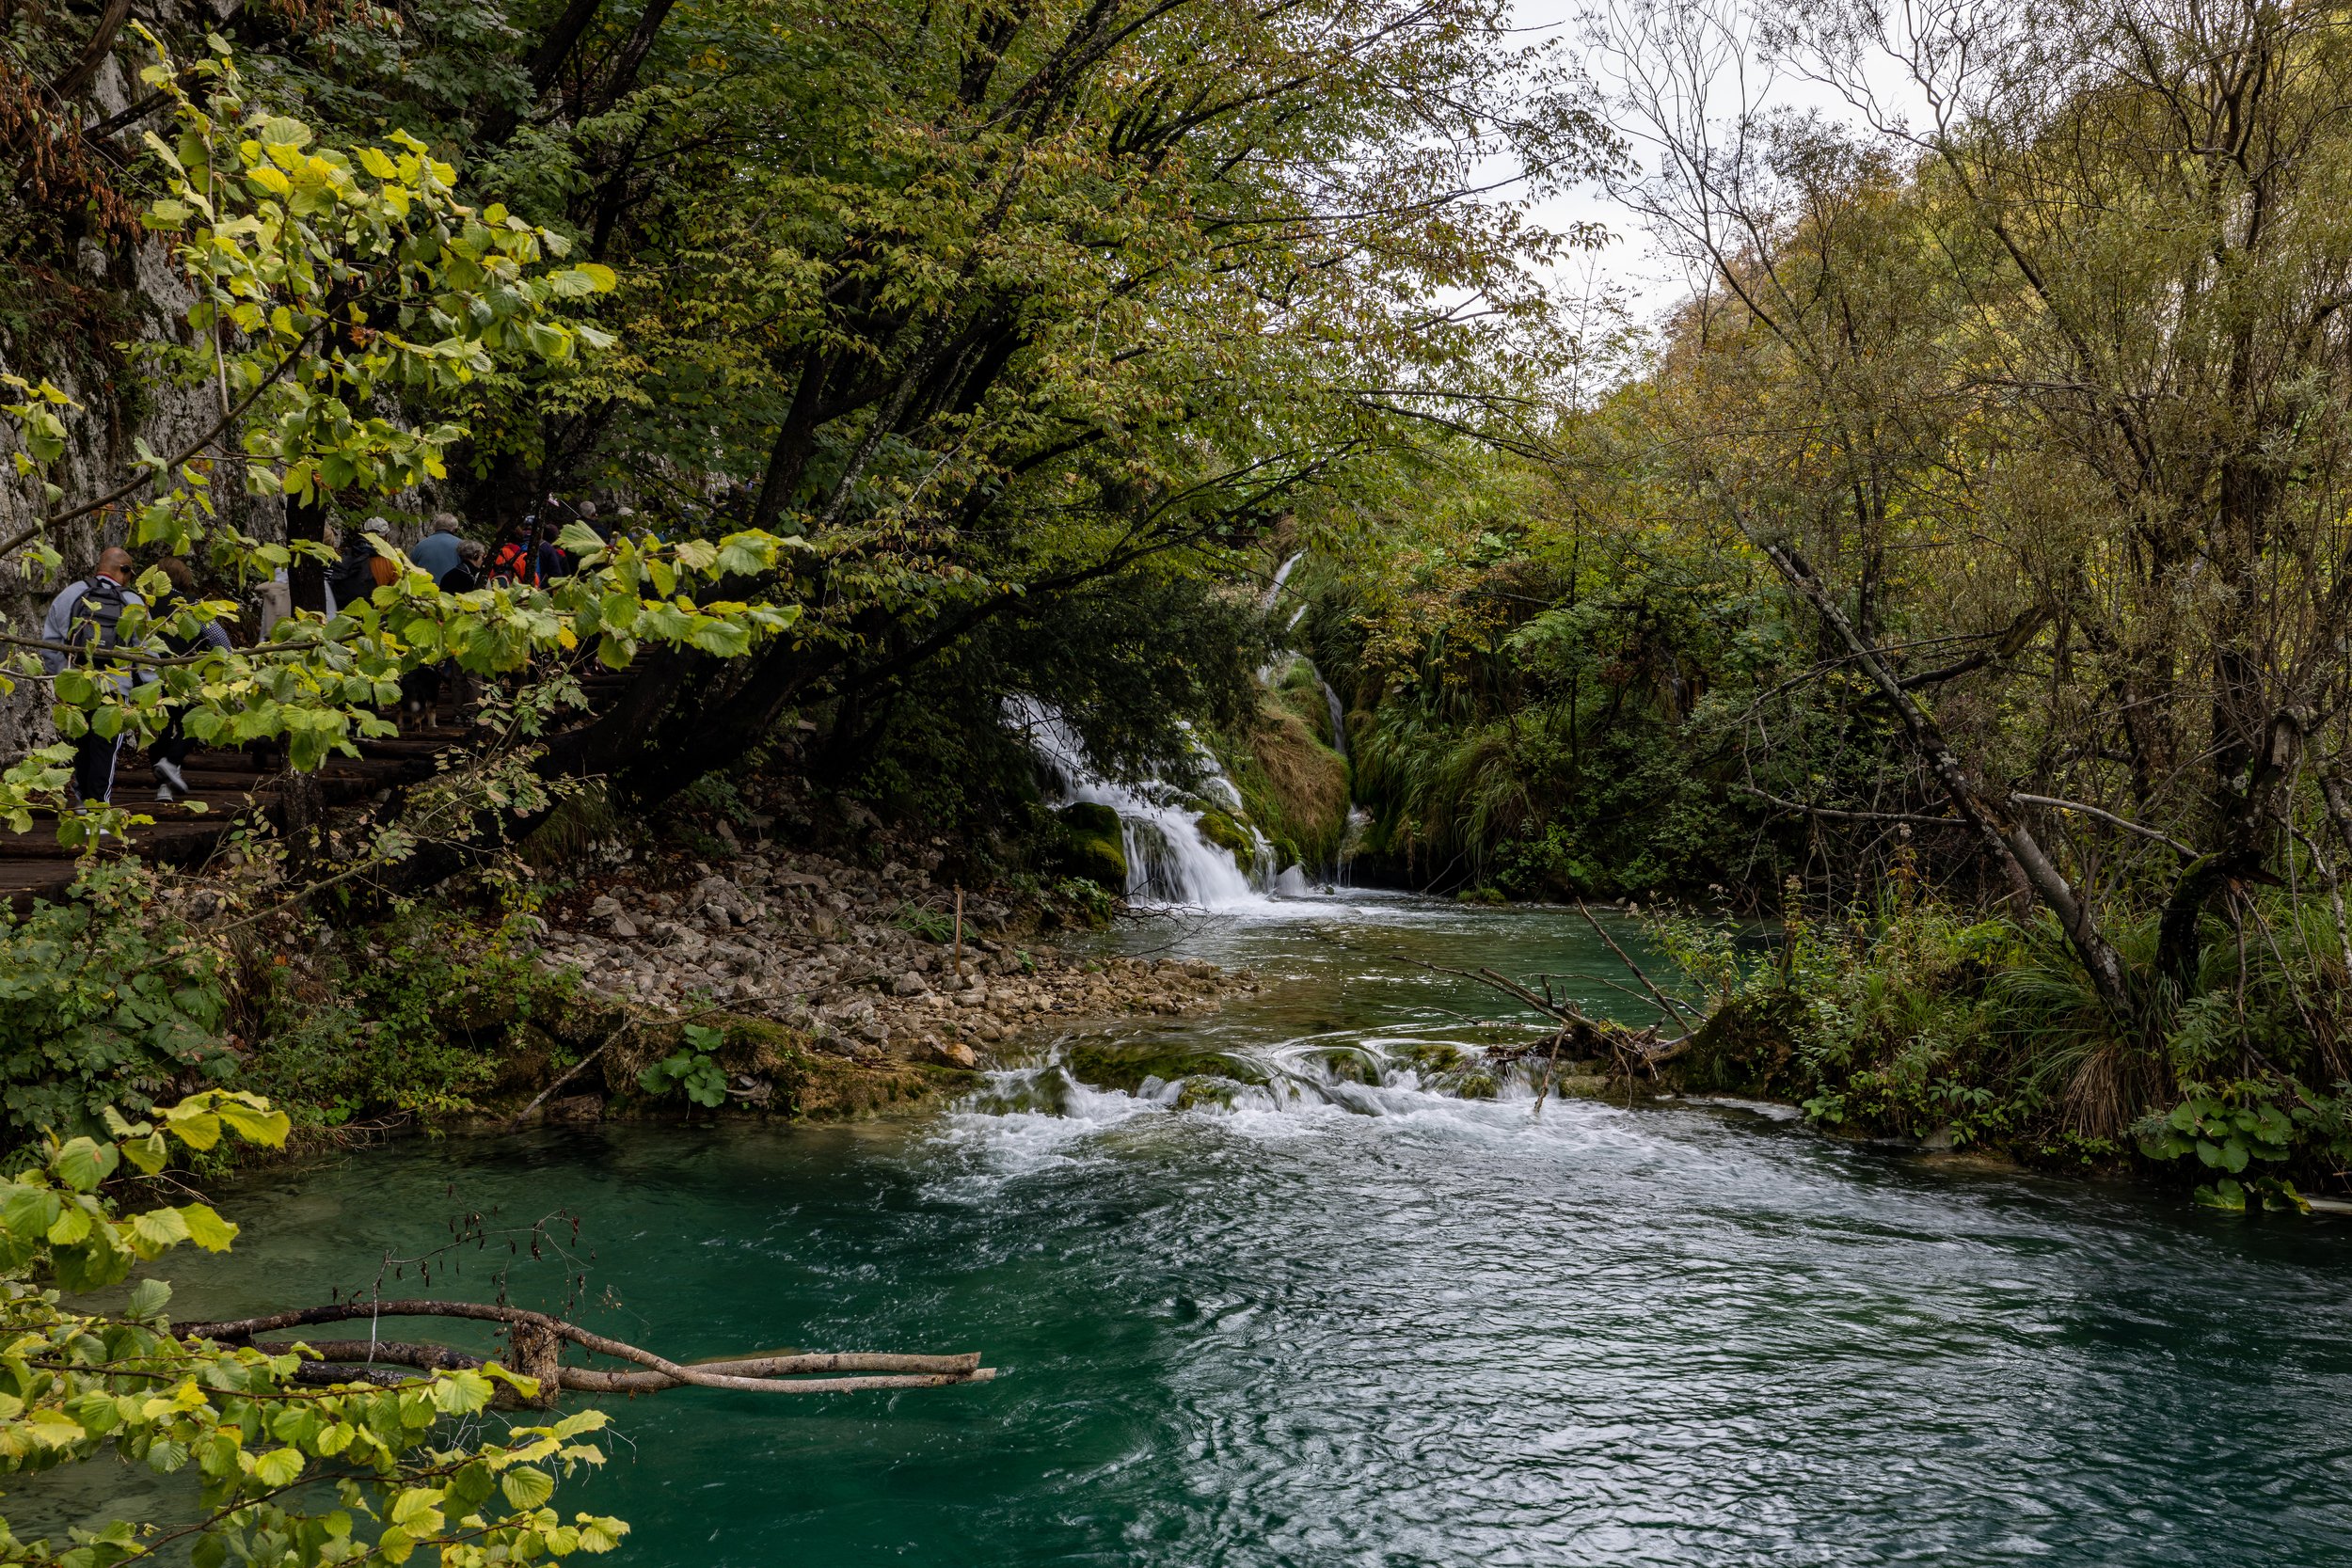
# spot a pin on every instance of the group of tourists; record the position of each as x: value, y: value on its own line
x: 83, y: 624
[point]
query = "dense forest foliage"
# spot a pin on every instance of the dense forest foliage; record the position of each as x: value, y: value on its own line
x: 1974, y: 538
x: 1012, y: 321
x: 1935, y: 628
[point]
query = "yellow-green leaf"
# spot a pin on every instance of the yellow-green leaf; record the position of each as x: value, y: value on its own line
x: 278, y: 1468
x: 206, y: 1229
x: 526, y: 1488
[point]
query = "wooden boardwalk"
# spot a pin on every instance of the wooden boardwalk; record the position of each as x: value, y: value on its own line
x: 232, y: 786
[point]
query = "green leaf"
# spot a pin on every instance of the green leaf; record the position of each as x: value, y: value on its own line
x: 526, y: 1488
x: 53, y: 1429
x: 255, y: 1126
x: 148, y: 1153
x: 199, y: 1129
x: 206, y: 1229
x: 160, y: 1228
x: 84, y: 1162
x: 148, y: 1299
x: 460, y: 1393
x: 417, y: 1508
x: 2225, y: 1194
x: 278, y: 1468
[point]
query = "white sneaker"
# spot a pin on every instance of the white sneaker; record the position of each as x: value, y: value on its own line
x: 173, y: 781
x: 163, y: 793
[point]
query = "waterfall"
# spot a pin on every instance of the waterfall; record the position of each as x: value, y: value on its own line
x: 1170, y: 860
x: 1331, y: 700
x: 1281, y: 575
x: 1274, y: 666
x: 1358, y: 821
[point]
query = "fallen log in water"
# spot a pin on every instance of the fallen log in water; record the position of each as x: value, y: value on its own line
x: 535, y: 1341
x: 1633, y: 1050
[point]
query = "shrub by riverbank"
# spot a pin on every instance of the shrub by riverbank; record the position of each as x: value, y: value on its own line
x: 1930, y: 1025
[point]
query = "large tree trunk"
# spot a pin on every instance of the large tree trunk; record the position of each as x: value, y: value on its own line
x: 77, y: 78
x: 306, y: 521
x: 788, y: 459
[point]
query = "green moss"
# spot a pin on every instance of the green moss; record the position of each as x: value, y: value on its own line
x: 1434, y: 1056
x: 1293, y: 786
x: 815, y: 1086
x: 1126, y: 1065
x: 1094, y: 845
x: 1745, y: 1046
x: 1220, y: 829
x: 1090, y: 817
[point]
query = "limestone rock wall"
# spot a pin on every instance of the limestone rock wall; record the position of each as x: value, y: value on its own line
x: 150, y: 299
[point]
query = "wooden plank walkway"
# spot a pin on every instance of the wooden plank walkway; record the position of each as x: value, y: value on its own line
x: 233, y: 786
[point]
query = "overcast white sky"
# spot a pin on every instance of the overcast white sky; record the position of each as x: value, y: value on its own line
x: 1654, y: 281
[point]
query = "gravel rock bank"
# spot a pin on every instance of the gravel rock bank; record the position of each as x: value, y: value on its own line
x: 860, y: 962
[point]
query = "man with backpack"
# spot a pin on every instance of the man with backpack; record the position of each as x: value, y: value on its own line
x: 80, y: 626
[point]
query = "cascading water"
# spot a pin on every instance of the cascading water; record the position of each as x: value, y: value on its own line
x: 1358, y: 824
x: 1281, y: 575
x: 1169, y: 859
x: 1330, y: 697
x: 1331, y: 700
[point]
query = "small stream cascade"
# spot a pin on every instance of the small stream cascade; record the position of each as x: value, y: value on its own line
x: 1282, y: 656
x: 1169, y: 859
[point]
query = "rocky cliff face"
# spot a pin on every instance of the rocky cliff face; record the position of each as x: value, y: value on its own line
x: 95, y: 330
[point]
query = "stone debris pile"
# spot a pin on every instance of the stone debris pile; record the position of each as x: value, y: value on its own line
x: 862, y: 961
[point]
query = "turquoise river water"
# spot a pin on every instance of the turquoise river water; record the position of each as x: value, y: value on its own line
x: 1345, y: 1321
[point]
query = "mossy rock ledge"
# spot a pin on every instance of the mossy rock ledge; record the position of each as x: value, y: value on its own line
x: 1746, y: 1047
x: 1220, y: 829
x: 790, y: 1077
x: 1094, y: 845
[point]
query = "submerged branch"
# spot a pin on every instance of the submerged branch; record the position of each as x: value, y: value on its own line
x: 1633, y: 1049
x: 1673, y: 1008
x: 374, y: 1360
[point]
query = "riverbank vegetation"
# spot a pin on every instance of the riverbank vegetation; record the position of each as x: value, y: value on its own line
x: 1946, y: 604
x: 1958, y: 583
